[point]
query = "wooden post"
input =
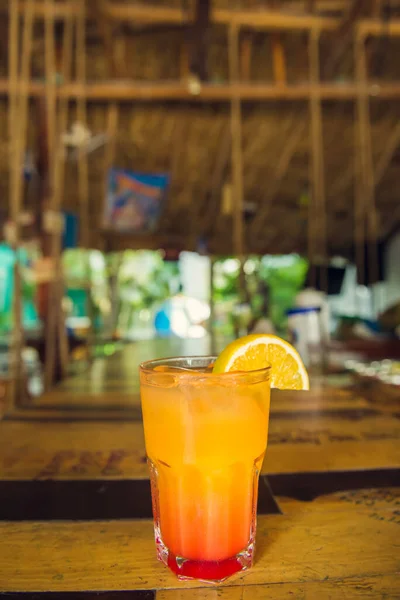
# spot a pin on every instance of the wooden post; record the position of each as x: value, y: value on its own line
x: 237, y: 155
x: 317, y: 210
x: 83, y: 183
x: 16, y: 345
x: 59, y: 178
x: 18, y: 125
x: 52, y: 216
x: 367, y: 184
x: 213, y: 349
x: 83, y: 166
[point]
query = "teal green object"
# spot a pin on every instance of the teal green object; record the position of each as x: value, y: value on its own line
x: 6, y: 277
x: 6, y: 286
x: 79, y: 300
x: 29, y: 315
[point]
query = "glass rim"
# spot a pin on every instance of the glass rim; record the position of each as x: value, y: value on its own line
x: 147, y: 368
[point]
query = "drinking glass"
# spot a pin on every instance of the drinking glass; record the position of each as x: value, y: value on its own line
x: 206, y: 436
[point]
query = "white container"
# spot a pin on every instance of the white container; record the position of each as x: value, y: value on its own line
x: 307, y: 333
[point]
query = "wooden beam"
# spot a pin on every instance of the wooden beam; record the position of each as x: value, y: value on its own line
x: 141, y: 13
x: 128, y: 91
x: 317, y: 223
x: 265, y: 20
x: 83, y: 166
x: 378, y: 28
x: 367, y: 183
x: 237, y: 158
x: 254, y: 19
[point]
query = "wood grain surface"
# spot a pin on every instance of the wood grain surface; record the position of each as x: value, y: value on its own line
x: 353, y: 588
x: 329, y: 493
x: 297, y: 442
x: 119, y: 555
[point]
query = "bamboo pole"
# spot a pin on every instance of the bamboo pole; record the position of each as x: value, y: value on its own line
x: 51, y: 216
x: 110, y: 150
x: 13, y: 48
x: 83, y: 176
x: 359, y: 209
x: 59, y: 178
x: 83, y: 166
x: 156, y: 91
x: 18, y: 126
x: 237, y: 149
x: 317, y: 208
x: 366, y: 159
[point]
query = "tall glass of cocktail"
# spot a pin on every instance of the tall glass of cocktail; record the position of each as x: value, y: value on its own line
x: 206, y: 436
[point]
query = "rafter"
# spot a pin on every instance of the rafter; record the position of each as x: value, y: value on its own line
x: 127, y: 91
x: 142, y: 13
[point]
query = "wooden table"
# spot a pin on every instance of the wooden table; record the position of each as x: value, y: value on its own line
x: 329, y: 509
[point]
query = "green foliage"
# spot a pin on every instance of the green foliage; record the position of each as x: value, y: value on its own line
x: 283, y: 275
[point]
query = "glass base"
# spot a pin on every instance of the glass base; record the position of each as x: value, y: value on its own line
x: 207, y: 571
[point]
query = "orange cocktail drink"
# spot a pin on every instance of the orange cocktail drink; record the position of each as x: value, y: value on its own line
x: 206, y: 436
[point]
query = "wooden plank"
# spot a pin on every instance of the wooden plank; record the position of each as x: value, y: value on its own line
x: 77, y: 415
x: 142, y: 13
x: 96, y: 398
x: 298, y: 442
x: 378, y: 27
x: 360, y: 588
x: 120, y: 555
x: 385, y: 499
x: 127, y: 91
x: 71, y: 450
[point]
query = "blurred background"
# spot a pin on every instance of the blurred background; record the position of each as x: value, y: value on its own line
x: 197, y: 171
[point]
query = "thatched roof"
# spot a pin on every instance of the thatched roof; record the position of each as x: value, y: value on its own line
x: 190, y: 137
